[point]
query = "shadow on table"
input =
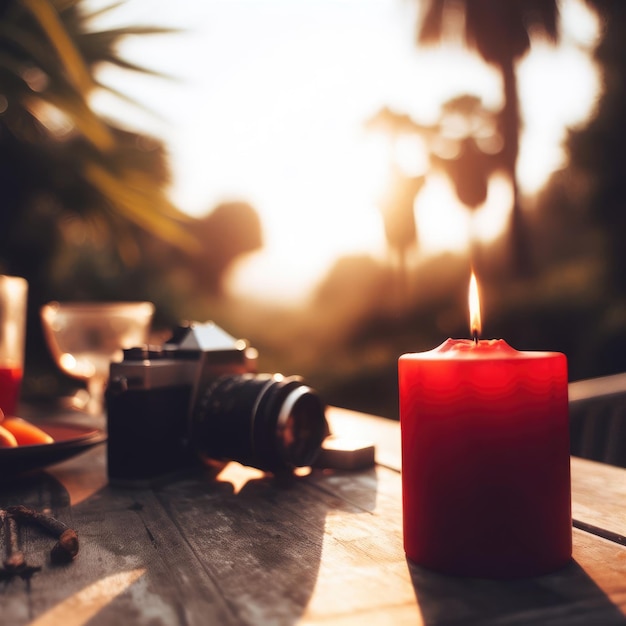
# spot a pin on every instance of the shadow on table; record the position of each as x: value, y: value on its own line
x: 261, y: 539
x: 34, y: 483
x: 16, y: 597
x: 568, y: 596
x: 192, y: 551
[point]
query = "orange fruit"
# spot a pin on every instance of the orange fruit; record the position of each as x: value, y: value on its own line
x: 7, y: 439
x: 25, y: 433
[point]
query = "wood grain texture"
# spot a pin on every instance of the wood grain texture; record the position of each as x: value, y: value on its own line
x: 599, y: 495
x: 383, y: 432
x: 322, y: 549
x: 589, y: 478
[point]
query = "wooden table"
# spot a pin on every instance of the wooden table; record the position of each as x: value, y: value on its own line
x: 323, y: 550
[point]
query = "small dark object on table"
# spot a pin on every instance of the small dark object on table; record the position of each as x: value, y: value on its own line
x: 66, y: 548
x: 345, y: 453
x: 14, y: 562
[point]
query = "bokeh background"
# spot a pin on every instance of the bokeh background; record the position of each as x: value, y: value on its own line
x: 320, y: 176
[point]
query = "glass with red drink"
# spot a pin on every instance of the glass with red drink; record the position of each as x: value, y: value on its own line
x: 13, y: 298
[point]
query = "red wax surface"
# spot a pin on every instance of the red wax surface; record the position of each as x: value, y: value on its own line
x: 485, y: 459
x: 10, y: 382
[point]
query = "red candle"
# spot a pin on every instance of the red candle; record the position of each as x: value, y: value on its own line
x: 485, y: 458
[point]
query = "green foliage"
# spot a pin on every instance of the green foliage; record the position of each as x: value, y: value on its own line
x: 59, y: 160
x: 75, y: 190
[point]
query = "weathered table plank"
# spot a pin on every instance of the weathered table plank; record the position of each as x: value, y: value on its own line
x: 243, y: 548
x: 589, y: 478
x: 579, y: 594
x: 128, y: 540
x: 383, y: 432
x: 599, y: 495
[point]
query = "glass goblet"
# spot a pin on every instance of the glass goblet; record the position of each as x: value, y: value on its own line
x: 84, y: 337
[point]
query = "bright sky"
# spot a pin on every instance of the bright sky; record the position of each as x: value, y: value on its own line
x: 270, y: 103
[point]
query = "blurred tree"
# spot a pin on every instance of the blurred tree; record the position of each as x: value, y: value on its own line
x: 397, y: 200
x: 464, y: 143
x: 228, y: 231
x: 182, y: 284
x: 598, y: 151
x: 60, y: 163
x: 397, y: 208
x: 71, y: 181
x: 597, y: 164
x: 500, y: 31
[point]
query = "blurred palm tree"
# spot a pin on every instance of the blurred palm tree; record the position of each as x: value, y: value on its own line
x: 500, y: 31
x: 397, y: 201
x: 464, y: 144
x: 63, y: 168
x: 597, y: 151
x: 72, y: 181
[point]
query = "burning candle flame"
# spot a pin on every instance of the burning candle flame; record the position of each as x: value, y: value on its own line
x: 474, y: 308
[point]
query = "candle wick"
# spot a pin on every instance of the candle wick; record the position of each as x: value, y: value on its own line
x: 475, y: 336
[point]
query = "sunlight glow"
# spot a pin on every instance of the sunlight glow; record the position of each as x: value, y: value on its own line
x: 324, y: 212
x: 443, y: 222
x: 81, y: 607
x: 362, y: 596
x: 67, y: 361
x: 271, y: 105
x: 559, y: 89
x: 491, y: 218
x: 81, y: 368
x: 238, y: 475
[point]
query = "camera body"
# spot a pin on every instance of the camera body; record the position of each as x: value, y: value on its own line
x: 199, y: 396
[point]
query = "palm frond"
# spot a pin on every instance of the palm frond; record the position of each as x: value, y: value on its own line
x: 10, y: 66
x: 27, y: 47
x: 46, y: 15
x: 135, y: 198
x: 47, y: 61
x: 432, y: 26
x: 125, y: 31
x: 104, y: 10
x: 79, y: 112
x: 113, y: 59
x: 132, y: 101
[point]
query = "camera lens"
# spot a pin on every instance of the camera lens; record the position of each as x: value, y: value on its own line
x: 263, y: 420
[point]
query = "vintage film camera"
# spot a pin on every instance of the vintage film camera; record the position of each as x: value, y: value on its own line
x: 197, y: 396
